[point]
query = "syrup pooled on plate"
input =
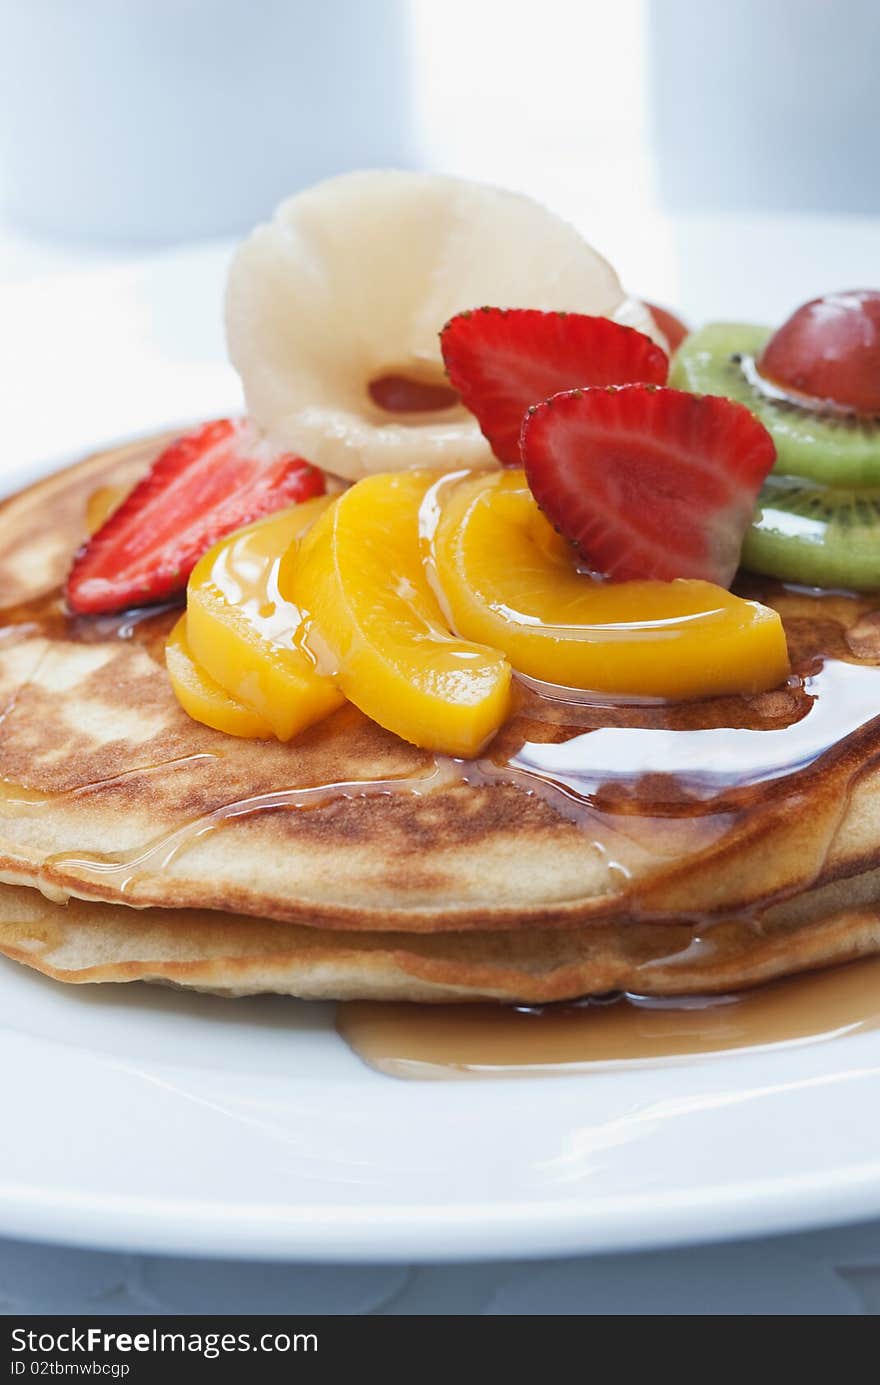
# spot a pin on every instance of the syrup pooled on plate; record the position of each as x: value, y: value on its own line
x: 454, y: 1041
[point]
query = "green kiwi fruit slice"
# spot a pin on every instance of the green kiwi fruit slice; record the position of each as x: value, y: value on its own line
x: 829, y: 445
x: 821, y: 536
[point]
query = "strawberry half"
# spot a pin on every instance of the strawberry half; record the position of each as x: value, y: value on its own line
x: 502, y: 360
x: 647, y: 481
x: 205, y: 485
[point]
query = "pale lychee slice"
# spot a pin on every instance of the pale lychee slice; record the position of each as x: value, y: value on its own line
x: 350, y: 284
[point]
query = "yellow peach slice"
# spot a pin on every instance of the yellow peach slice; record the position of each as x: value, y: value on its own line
x: 101, y: 505
x: 359, y: 576
x: 508, y: 580
x: 202, y: 698
x: 243, y: 633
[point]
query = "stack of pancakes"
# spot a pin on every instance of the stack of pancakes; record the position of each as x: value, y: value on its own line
x: 136, y: 843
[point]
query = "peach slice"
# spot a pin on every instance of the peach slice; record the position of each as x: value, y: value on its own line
x: 371, y: 610
x: 101, y: 505
x: 244, y: 634
x: 202, y: 698
x: 509, y: 581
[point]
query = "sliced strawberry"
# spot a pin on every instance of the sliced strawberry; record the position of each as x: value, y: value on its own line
x: 205, y: 485
x: 647, y: 481
x: 672, y: 327
x: 502, y: 360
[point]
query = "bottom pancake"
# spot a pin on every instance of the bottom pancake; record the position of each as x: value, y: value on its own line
x: 228, y: 954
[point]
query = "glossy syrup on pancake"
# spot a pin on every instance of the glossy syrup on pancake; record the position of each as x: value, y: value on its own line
x: 640, y: 781
x: 639, y: 766
x: 649, y: 787
x: 609, y: 839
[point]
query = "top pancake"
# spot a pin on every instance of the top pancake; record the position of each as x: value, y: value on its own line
x: 108, y: 788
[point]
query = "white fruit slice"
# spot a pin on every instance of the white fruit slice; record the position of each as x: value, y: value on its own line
x: 352, y: 281
x: 633, y: 313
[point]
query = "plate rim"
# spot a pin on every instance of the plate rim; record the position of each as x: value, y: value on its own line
x: 451, y: 1232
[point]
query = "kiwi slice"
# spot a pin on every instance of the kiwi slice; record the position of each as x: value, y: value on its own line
x: 821, y: 536
x: 828, y: 445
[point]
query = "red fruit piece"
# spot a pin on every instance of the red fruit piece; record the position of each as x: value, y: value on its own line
x: 399, y: 395
x: 203, y: 486
x: 648, y: 481
x: 672, y: 327
x: 829, y: 350
x: 502, y: 360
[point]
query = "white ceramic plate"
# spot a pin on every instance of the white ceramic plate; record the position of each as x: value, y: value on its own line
x: 140, y: 1118
x: 135, y: 1117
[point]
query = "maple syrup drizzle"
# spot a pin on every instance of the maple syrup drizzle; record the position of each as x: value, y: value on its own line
x: 572, y: 774
x: 15, y: 798
x: 121, y: 870
x: 841, y: 698
x: 47, y: 616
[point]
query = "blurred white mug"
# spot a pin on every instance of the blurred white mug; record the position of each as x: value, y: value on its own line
x: 767, y: 105
x: 164, y: 120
